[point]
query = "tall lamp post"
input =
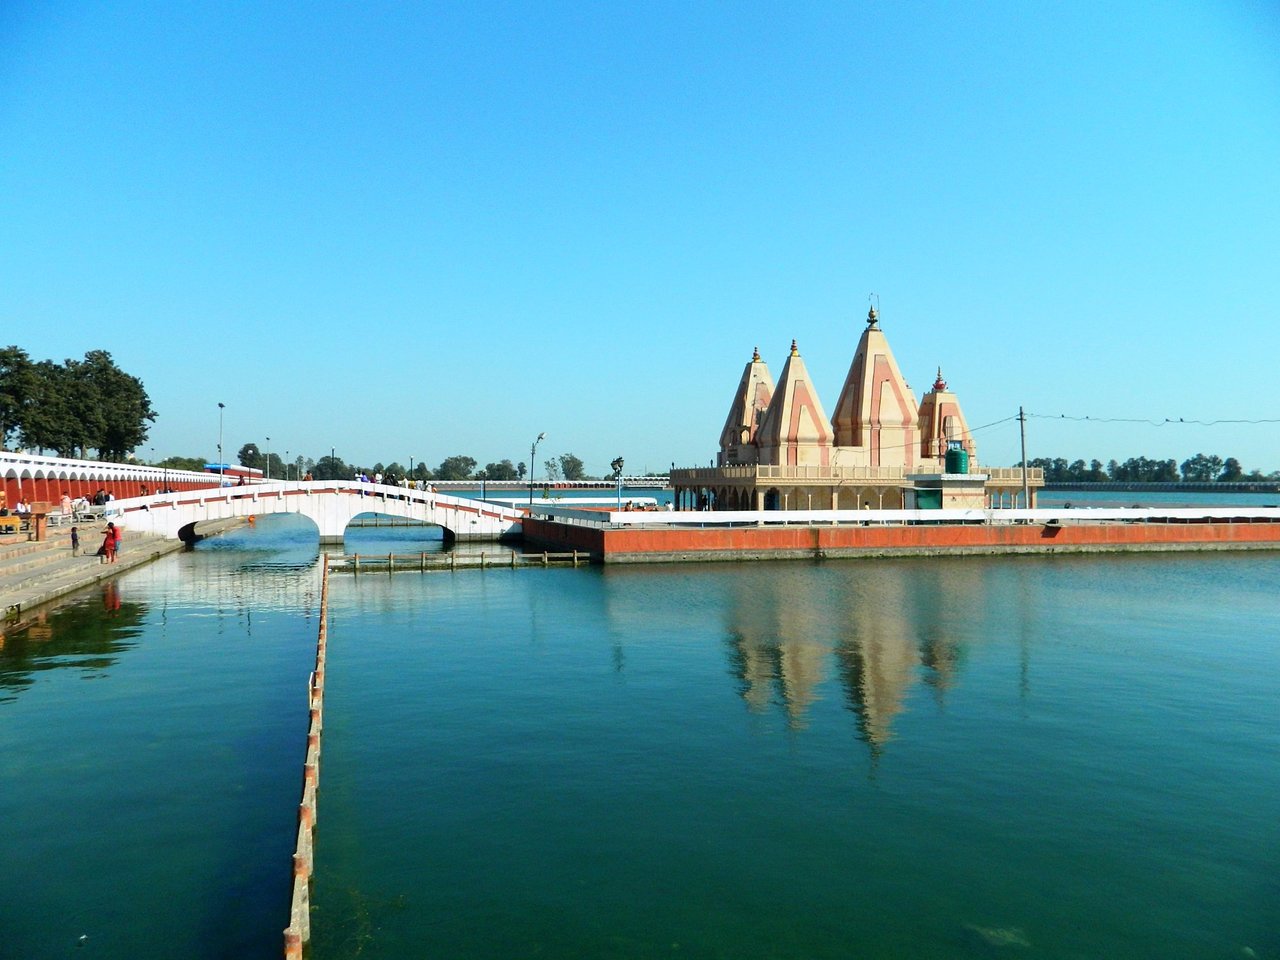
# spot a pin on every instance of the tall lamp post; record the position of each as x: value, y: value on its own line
x: 268, y: 458
x: 287, y: 476
x: 533, y: 455
x: 617, y: 475
x: 222, y: 464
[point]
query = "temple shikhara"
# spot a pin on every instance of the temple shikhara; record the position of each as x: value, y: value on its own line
x: 881, y: 449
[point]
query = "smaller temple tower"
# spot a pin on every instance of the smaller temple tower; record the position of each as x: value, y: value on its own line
x: 941, y: 422
x: 795, y: 430
x: 738, y: 438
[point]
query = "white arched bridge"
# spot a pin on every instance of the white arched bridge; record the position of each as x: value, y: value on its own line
x: 330, y: 504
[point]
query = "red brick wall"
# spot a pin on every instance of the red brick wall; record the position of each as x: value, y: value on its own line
x: 784, y: 540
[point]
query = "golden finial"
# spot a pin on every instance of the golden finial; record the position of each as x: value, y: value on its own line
x: 795, y: 351
x: 755, y: 355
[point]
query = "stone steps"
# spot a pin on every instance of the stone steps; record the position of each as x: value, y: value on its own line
x: 33, y: 573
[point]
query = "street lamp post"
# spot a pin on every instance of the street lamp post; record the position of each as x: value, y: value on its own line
x: 222, y: 464
x: 268, y: 458
x: 617, y: 475
x: 533, y: 454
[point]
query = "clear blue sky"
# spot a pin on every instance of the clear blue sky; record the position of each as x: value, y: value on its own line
x: 417, y: 230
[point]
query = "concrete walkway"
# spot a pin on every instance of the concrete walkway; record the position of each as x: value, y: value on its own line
x: 33, y: 573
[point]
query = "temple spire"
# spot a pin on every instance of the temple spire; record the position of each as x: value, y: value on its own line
x: 755, y: 390
x: 795, y: 430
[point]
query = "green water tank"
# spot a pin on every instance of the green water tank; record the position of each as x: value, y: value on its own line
x: 957, y: 459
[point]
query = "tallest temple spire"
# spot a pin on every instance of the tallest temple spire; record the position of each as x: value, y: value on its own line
x: 877, y: 411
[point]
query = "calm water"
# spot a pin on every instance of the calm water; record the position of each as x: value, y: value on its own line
x: 1048, y: 757
x: 1152, y: 498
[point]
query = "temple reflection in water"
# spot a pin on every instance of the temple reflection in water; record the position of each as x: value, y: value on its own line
x: 862, y: 627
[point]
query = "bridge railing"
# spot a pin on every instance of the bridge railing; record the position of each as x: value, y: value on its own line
x: 258, y: 492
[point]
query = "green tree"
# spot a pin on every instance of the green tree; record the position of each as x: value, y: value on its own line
x: 17, y: 385
x: 571, y: 467
x: 183, y: 463
x: 125, y: 409
x: 502, y: 470
x: 331, y: 468
x: 456, y: 468
x: 553, y: 470
x: 1202, y: 468
x: 1231, y: 470
x: 65, y: 413
x: 73, y: 406
x: 1143, y: 470
x: 250, y: 456
x: 521, y: 470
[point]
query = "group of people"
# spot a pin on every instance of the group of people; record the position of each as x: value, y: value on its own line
x: 20, y: 509
x: 111, y: 538
x: 73, y: 508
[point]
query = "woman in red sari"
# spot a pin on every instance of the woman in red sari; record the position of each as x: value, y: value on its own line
x: 109, y: 541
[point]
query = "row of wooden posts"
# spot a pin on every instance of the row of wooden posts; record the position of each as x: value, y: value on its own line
x: 391, y: 562
x: 298, y: 933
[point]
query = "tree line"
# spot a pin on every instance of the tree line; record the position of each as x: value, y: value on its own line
x: 72, y: 407
x: 566, y: 466
x: 1202, y: 468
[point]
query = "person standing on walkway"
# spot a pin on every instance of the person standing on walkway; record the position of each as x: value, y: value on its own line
x: 108, y: 549
x: 75, y: 542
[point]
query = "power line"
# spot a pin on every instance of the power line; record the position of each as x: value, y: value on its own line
x: 1166, y: 421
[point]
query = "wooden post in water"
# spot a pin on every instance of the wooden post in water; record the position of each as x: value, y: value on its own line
x: 481, y: 559
x: 513, y: 559
x: 355, y: 563
x: 453, y: 561
x: 422, y: 562
x: 544, y: 558
x: 391, y: 562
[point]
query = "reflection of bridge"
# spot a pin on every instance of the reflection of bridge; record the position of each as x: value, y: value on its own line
x: 329, y: 504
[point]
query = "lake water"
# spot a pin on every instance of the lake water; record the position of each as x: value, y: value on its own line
x: 1024, y: 757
